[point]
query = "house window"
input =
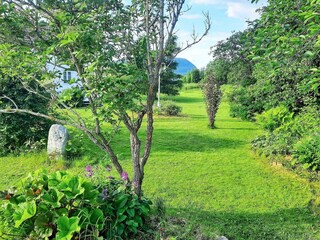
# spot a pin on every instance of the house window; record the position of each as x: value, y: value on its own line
x: 66, y: 75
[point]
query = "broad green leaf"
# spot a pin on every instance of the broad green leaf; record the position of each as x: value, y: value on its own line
x: 67, y: 227
x: 131, y: 212
x: 97, y: 218
x: 42, y: 229
x: 121, y: 200
x: 90, y: 193
x: 120, y: 229
x: 53, y: 197
x: 121, y: 218
x: 132, y: 223
x: 23, y: 212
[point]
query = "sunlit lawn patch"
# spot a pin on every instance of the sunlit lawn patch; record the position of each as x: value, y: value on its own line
x: 210, y: 177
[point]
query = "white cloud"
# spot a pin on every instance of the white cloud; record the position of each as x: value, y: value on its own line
x: 199, y: 53
x: 235, y: 9
x: 242, y: 11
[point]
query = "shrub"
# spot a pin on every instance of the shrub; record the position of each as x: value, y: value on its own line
x: 64, y: 206
x: 298, y: 136
x: 244, y: 103
x: 170, y: 108
x: 212, y: 93
x: 274, y: 118
x: 307, y: 152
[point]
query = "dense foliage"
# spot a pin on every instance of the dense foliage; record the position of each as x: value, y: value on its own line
x: 22, y: 132
x: 274, y: 67
x: 72, y: 97
x: 64, y: 206
x: 193, y: 76
x: 230, y: 59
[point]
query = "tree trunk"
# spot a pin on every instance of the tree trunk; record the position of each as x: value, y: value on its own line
x: 135, y: 145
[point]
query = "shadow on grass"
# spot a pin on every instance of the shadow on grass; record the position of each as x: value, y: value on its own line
x: 240, y: 128
x: 182, y: 99
x: 174, y: 140
x: 296, y: 223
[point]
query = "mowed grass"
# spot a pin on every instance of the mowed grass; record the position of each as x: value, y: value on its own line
x: 208, y: 176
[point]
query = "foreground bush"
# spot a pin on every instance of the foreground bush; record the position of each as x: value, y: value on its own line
x: 64, y: 206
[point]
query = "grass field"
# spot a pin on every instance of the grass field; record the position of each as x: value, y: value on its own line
x: 209, y: 177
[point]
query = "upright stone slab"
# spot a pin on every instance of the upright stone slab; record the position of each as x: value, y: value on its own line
x: 222, y: 238
x: 57, y: 141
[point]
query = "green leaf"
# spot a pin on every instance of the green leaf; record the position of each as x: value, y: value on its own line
x: 90, y: 193
x: 309, y: 54
x: 23, y: 212
x: 67, y: 227
x: 41, y: 226
x: 131, y: 212
x: 120, y: 229
x: 132, y: 223
x: 121, y: 218
x: 53, y: 197
x: 71, y: 186
x: 120, y: 211
x: 121, y: 200
x: 97, y: 218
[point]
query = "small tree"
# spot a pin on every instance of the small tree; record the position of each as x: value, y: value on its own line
x: 118, y: 52
x: 212, y: 94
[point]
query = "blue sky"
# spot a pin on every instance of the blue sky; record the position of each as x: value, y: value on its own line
x: 226, y: 16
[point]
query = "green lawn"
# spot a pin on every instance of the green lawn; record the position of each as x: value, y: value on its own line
x: 210, y: 177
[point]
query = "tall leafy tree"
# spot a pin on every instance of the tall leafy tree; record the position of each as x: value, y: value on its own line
x: 231, y: 62
x: 100, y: 41
x: 287, y: 52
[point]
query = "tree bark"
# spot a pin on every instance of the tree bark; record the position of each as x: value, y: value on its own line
x: 135, y: 144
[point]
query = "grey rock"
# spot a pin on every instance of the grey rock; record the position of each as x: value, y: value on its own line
x: 57, y: 141
x: 222, y: 238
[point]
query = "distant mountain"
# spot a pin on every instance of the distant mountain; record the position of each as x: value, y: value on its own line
x: 184, y: 66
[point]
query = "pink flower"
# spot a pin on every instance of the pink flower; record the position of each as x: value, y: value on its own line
x: 89, y: 171
x: 124, y: 176
x: 135, y: 184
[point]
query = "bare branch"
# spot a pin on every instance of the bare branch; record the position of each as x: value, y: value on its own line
x: 36, y: 114
x: 196, y: 38
x: 11, y: 100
